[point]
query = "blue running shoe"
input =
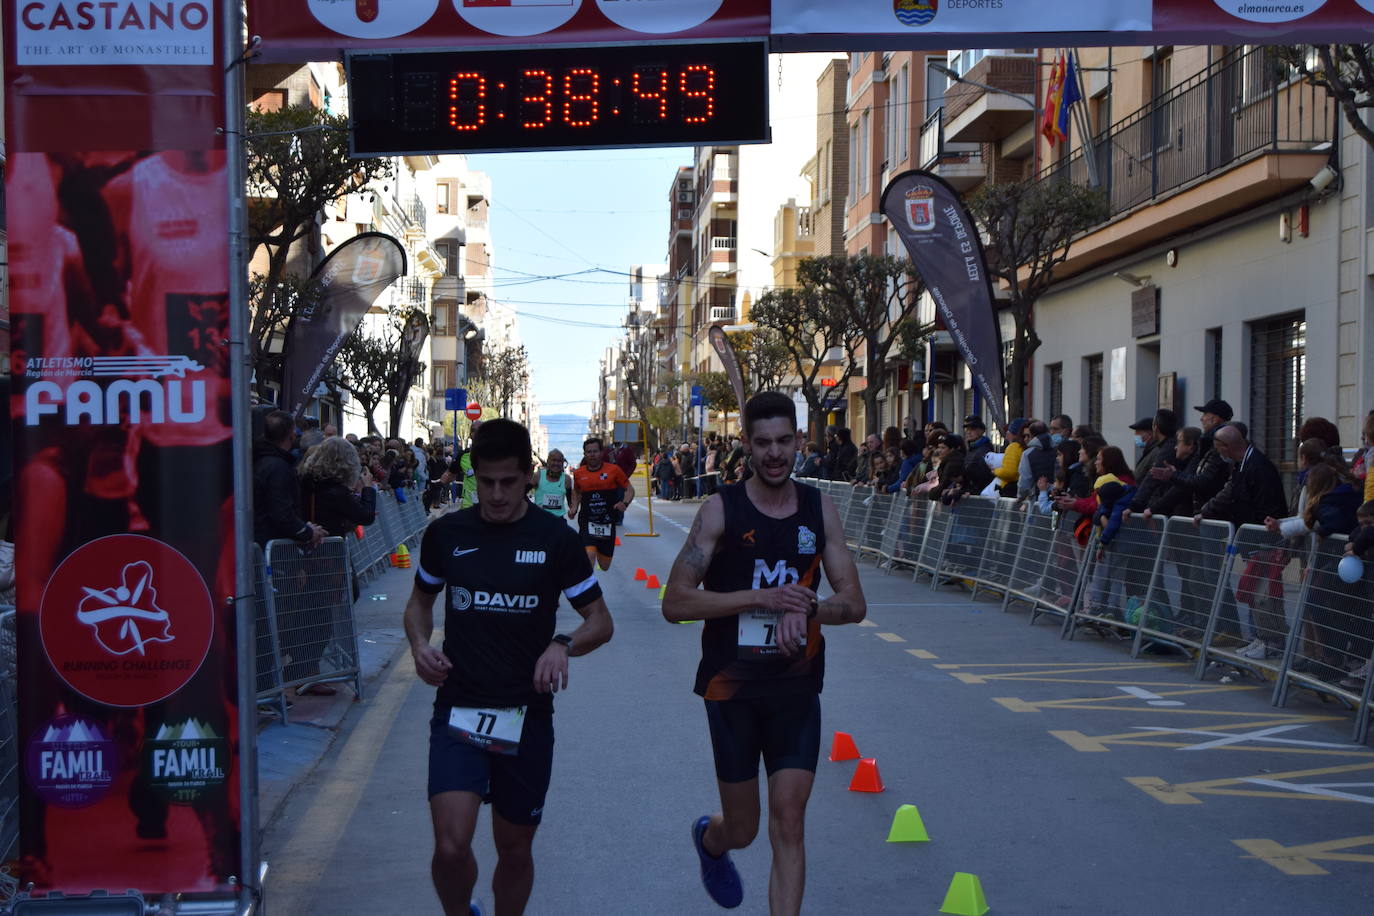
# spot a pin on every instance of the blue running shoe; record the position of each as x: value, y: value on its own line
x: 717, y: 874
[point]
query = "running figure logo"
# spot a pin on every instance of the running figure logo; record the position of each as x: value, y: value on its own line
x: 126, y: 618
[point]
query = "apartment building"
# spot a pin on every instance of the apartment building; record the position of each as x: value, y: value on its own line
x: 890, y: 97
x: 1232, y: 262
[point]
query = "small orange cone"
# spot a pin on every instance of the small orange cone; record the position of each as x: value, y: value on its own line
x: 617, y: 540
x: 842, y: 747
x: 652, y: 583
x: 360, y: 532
x: 866, y: 778
x: 640, y: 574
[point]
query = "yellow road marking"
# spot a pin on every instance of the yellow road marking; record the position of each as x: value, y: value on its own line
x: 922, y: 653
x: 1298, y: 860
x: 1186, y: 793
x: 1114, y: 702
x: 320, y: 828
x: 1043, y: 674
x: 1167, y: 740
x: 889, y: 637
x: 867, y: 623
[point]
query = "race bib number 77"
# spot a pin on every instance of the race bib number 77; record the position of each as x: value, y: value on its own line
x: 496, y: 730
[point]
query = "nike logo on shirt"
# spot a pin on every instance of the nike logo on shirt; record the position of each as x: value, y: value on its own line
x: 457, y: 552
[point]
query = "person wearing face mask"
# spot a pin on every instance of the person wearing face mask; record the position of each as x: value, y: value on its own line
x: 1163, y: 429
x: 1061, y: 429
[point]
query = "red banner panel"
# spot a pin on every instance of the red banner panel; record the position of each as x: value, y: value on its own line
x: 320, y: 29
x: 117, y: 206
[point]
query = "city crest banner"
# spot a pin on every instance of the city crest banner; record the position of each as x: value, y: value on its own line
x: 942, y: 241
x: 117, y: 207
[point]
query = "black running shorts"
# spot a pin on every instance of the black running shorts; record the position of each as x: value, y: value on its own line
x: 514, y: 784
x: 604, y: 546
x: 785, y: 730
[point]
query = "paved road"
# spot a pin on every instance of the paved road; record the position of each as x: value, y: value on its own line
x: 1067, y: 776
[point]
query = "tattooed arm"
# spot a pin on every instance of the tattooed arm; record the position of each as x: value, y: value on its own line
x: 685, y: 600
x: 847, y: 605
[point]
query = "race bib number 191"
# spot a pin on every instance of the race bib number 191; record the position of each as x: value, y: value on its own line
x: 758, y: 634
x: 496, y: 730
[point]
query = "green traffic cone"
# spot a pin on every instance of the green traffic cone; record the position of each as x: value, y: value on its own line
x: 907, y: 826
x: 965, y: 896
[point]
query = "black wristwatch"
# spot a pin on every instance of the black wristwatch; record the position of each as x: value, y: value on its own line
x: 564, y: 640
x: 815, y: 609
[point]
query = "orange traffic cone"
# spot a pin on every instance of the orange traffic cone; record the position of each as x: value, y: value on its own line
x: 395, y: 559
x: 842, y: 747
x: 617, y: 540
x: 652, y: 583
x: 360, y: 532
x: 640, y: 574
x: 866, y: 778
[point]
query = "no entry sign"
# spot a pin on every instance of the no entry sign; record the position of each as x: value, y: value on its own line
x: 473, y: 411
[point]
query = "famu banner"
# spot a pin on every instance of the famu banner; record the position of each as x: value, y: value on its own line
x: 943, y: 243
x: 117, y: 206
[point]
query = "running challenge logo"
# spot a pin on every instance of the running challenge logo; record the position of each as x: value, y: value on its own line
x: 106, y: 632
x: 151, y: 389
x: 114, y: 32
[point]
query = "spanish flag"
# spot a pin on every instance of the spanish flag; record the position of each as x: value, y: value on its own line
x: 1059, y: 97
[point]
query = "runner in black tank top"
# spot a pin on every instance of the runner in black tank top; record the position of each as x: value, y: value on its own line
x: 758, y: 548
x: 740, y: 658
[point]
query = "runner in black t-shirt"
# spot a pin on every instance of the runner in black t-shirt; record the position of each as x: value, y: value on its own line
x: 502, y: 564
x: 758, y: 547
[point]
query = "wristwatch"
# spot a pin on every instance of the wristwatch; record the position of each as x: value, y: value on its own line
x: 815, y: 609
x: 564, y: 640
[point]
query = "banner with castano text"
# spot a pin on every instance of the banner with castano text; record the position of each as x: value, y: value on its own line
x: 117, y: 206
x: 943, y: 243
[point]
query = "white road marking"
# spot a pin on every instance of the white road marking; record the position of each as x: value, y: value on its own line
x: 1322, y: 789
x: 1153, y: 698
x: 1225, y: 738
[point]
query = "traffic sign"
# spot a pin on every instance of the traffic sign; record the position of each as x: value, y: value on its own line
x: 473, y: 411
x: 455, y: 398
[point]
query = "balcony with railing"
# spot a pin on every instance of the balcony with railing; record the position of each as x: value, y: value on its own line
x: 722, y: 313
x: 417, y: 214
x: 1244, y: 131
x: 960, y: 164
x: 975, y: 115
x: 410, y: 291
x: 723, y: 256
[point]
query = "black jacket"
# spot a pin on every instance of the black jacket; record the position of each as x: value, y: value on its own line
x: 1336, y: 511
x: 1171, y: 498
x: 333, y: 507
x: 846, y: 458
x: 1148, y: 459
x: 1254, y: 492
x: 1203, y: 477
x: 1146, y: 487
x: 276, y: 496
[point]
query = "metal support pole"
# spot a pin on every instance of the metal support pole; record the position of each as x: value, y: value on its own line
x: 240, y: 371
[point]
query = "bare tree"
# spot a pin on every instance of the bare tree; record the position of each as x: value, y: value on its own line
x: 1028, y: 227
x: 1345, y: 71
x: 765, y: 360
x: 506, y: 371
x: 811, y: 329
x: 373, y: 366
x: 874, y: 294
x: 297, y: 163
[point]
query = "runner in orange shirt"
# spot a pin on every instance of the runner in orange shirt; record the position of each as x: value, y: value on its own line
x: 601, y: 491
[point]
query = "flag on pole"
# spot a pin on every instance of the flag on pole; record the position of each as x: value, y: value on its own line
x: 1055, y: 108
x: 1069, y: 94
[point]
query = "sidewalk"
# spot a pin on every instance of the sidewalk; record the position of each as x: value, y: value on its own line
x: 287, y: 754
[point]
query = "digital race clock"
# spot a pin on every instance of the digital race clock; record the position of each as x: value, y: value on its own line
x: 559, y: 98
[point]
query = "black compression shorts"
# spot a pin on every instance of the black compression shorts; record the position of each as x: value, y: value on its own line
x: 515, y: 785
x: 785, y: 730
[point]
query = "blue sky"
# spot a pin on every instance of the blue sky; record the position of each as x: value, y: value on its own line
x: 554, y: 214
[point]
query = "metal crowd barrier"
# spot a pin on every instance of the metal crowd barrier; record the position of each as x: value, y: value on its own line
x: 396, y: 523
x: 306, y: 629
x: 9, y: 745
x: 1244, y: 598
